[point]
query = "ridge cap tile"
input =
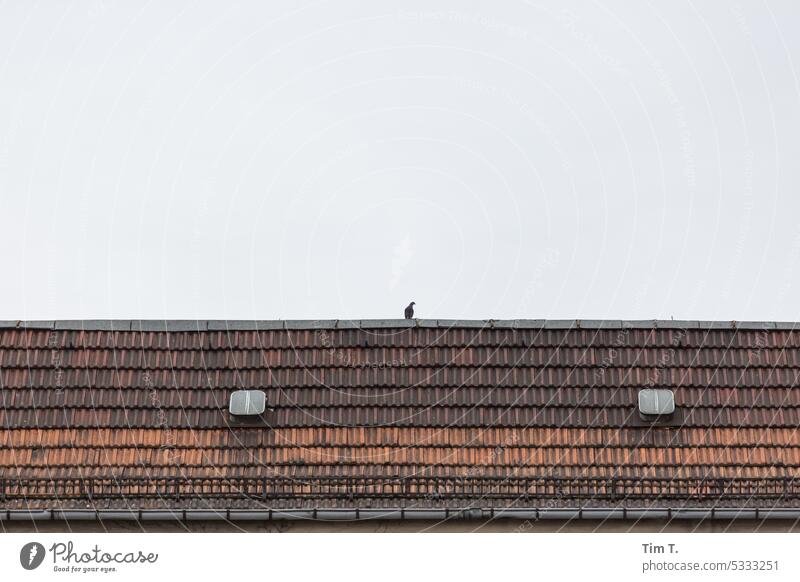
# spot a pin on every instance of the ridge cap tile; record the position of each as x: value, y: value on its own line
x: 757, y: 325
x: 303, y: 324
x: 677, y: 324
x: 37, y: 324
x: 268, y: 324
x: 94, y: 324
x: 456, y: 323
x: 561, y: 323
x: 167, y: 325
x: 601, y: 323
x: 712, y: 324
x: 517, y: 323
x: 386, y: 323
x: 638, y: 323
x: 232, y: 325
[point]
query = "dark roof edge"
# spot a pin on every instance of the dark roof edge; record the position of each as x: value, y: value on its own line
x: 438, y: 514
x: 189, y: 325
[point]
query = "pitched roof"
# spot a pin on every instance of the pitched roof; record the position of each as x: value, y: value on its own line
x: 396, y: 413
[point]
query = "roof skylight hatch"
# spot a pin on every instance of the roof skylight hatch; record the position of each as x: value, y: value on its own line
x: 248, y: 403
x: 247, y: 407
x: 656, y: 402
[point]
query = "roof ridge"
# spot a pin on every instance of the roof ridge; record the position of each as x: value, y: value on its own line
x: 190, y: 325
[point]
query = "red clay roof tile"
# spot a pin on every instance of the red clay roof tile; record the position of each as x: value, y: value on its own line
x: 489, y: 415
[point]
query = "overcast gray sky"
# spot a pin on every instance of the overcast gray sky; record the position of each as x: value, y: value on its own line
x: 340, y: 159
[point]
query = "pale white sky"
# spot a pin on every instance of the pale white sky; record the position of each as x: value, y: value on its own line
x: 339, y: 159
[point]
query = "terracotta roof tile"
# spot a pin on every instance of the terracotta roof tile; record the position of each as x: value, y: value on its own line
x: 397, y: 414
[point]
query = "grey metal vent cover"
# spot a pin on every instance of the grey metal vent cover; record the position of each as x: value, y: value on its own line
x: 656, y: 401
x: 248, y: 402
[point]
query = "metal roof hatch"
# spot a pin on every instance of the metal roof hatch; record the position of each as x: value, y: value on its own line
x: 248, y: 408
x: 248, y: 403
x: 656, y: 402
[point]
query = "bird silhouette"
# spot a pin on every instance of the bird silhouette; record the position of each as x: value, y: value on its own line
x: 410, y: 310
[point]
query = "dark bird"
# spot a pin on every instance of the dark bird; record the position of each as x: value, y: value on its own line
x: 410, y: 310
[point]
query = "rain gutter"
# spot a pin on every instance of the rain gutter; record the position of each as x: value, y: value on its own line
x: 395, y: 514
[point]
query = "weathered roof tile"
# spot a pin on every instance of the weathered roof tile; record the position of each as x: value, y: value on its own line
x: 397, y: 413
